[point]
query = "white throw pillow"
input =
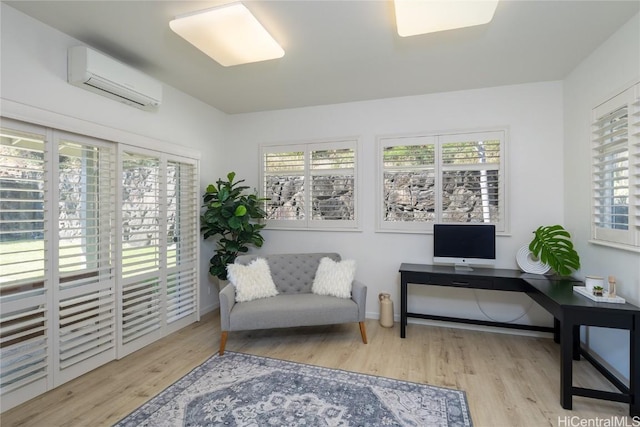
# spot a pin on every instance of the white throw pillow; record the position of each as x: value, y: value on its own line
x: 334, y: 278
x: 252, y: 281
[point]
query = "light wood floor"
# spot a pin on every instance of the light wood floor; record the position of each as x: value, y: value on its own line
x: 509, y: 380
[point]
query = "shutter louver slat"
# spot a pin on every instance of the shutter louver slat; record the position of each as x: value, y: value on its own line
x: 74, y: 347
x: 34, y: 328
x: 19, y: 356
x: 284, y: 163
x: 28, y: 373
x: 103, y: 319
x: 82, y: 311
x: 143, y: 296
x: 132, y: 307
x: 143, y: 331
x: 101, y: 339
x: 608, y: 121
x: 97, y: 348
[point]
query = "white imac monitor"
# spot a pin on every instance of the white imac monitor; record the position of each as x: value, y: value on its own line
x: 464, y: 245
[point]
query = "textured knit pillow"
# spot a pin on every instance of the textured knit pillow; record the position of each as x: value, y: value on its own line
x: 334, y: 278
x: 252, y: 281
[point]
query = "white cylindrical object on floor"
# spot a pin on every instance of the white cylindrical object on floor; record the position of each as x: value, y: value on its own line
x: 386, y: 310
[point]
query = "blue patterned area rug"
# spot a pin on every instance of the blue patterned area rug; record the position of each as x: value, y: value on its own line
x: 243, y: 390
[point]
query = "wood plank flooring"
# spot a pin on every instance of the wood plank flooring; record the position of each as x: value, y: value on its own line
x: 509, y: 380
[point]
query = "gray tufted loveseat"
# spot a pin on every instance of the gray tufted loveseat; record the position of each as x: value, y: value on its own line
x: 295, y: 304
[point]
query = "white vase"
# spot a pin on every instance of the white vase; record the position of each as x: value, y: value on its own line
x: 530, y: 264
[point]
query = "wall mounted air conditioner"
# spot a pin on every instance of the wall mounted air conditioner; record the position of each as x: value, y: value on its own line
x: 101, y: 74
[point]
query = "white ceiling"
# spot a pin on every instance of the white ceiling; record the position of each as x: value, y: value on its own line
x: 342, y: 51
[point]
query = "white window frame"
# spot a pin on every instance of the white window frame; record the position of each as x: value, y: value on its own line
x: 437, y: 139
x: 603, y: 231
x: 308, y: 223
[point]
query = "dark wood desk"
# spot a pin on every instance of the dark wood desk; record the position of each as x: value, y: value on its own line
x: 570, y: 310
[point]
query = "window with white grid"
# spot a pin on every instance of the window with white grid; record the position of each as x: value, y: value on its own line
x: 311, y: 186
x: 441, y: 178
x: 616, y: 170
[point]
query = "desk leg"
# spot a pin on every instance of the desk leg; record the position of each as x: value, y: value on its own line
x: 634, y: 369
x: 576, y: 342
x: 556, y: 330
x: 403, y: 307
x: 566, y: 364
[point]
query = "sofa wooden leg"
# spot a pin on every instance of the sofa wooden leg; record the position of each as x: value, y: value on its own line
x: 363, y: 332
x: 223, y: 341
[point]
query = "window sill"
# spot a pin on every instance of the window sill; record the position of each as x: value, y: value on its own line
x: 614, y: 245
x: 281, y: 228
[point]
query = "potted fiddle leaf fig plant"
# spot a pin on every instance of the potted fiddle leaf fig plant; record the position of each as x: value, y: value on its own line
x: 552, y: 245
x: 234, y: 217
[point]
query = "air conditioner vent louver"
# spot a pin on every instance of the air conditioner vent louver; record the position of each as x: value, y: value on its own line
x: 101, y: 74
x: 113, y: 90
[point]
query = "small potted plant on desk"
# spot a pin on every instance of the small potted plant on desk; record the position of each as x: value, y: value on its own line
x: 597, y: 291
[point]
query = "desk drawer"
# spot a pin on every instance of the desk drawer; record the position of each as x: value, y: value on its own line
x: 461, y: 281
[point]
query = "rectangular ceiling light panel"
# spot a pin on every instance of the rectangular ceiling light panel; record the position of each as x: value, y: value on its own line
x: 415, y: 17
x: 229, y: 34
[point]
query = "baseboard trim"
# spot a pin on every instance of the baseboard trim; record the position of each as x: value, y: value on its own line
x: 466, y: 326
x: 209, y: 309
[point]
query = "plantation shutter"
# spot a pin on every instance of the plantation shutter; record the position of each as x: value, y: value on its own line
x: 332, y: 177
x: 311, y: 185
x: 99, y: 247
x: 25, y: 309
x: 182, y: 239
x: 158, y: 285
x: 471, y: 178
x: 141, y: 284
x: 442, y: 178
x: 409, y: 174
x: 284, y: 177
x: 86, y: 268
x: 616, y: 169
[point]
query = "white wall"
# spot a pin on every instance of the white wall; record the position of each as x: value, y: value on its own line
x: 533, y: 115
x: 33, y: 75
x: 607, y: 71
